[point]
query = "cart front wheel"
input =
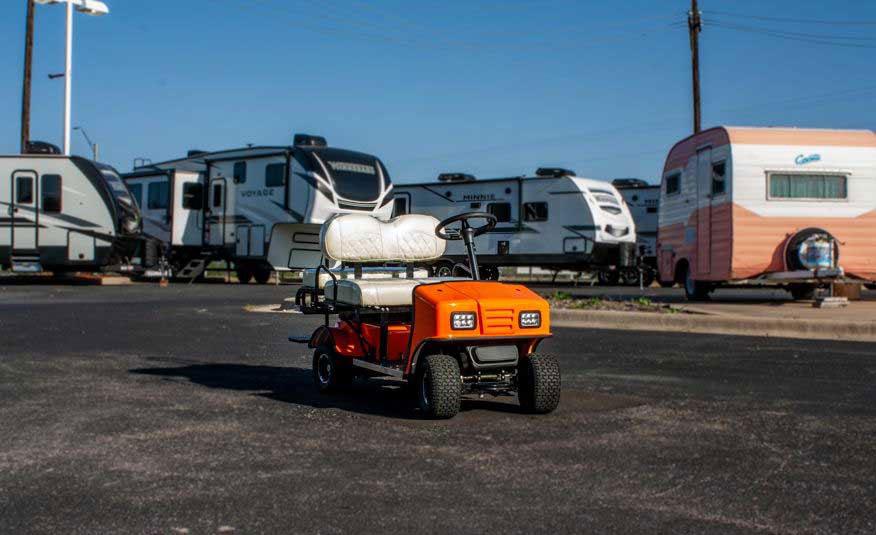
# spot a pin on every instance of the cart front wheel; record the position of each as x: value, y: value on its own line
x: 330, y: 372
x: 439, y: 391
x: 538, y: 384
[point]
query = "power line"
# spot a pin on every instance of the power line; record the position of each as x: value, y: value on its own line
x: 821, y: 36
x: 788, y: 36
x: 796, y: 21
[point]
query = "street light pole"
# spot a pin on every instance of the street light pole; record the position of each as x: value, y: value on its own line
x: 68, y: 75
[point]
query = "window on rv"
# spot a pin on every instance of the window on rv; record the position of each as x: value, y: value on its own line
x: 159, y: 195
x: 502, y: 211
x: 24, y: 190
x: 239, y: 172
x: 217, y: 195
x: 275, y: 175
x: 193, y: 196
x: 719, y: 175
x: 50, y: 190
x: 399, y: 206
x: 673, y: 184
x: 535, y: 211
x: 808, y: 186
x: 137, y: 193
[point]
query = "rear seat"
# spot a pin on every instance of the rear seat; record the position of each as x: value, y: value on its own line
x: 379, y: 292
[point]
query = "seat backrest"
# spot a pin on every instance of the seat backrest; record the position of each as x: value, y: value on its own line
x: 364, y: 239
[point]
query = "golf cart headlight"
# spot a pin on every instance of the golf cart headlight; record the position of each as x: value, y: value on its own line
x: 463, y: 321
x: 530, y: 320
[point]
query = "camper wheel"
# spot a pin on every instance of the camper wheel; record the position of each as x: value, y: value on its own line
x: 262, y: 274
x: 802, y: 292
x: 694, y: 290
x: 442, y: 269
x: 608, y: 277
x: 244, y: 273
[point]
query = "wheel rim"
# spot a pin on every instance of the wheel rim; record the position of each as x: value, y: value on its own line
x: 324, y: 369
x: 444, y: 271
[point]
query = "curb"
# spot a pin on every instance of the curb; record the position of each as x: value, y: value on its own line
x: 724, y: 324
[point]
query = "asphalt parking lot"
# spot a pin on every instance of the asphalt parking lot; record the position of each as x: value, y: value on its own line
x: 140, y: 409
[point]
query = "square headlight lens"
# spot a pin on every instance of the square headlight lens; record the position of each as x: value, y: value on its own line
x: 530, y: 320
x: 463, y: 321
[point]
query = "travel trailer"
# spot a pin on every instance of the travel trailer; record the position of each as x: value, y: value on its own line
x: 642, y: 200
x: 554, y: 220
x: 779, y: 206
x: 64, y: 213
x: 259, y: 207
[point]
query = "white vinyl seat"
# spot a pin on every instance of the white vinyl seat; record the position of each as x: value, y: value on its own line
x: 359, y: 239
x: 379, y: 292
x: 309, y: 278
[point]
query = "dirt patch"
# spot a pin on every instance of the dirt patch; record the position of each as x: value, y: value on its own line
x: 563, y: 300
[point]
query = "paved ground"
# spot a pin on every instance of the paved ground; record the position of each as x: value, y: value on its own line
x: 140, y: 409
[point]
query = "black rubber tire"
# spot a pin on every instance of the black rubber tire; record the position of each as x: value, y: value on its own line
x: 608, y: 278
x: 150, y: 253
x: 439, y: 386
x: 666, y: 284
x: 695, y: 290
x: 648, y: 277
x: 262, y: 274
x: 489, y: 273
x: 330, y: 372
x: 244, y: 274
x: 539, y: 384
x: 802, y: 292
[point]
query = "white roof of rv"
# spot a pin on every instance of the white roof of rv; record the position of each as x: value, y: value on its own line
x: 202, y: 158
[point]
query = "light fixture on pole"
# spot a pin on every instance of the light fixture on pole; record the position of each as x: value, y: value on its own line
x: 93, y: 146
x: 89, y: 7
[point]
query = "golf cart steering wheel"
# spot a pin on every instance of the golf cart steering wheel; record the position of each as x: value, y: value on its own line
x: 475, y: 231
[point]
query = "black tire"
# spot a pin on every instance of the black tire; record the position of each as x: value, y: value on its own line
x: 262, y: 274
x: 442, y: 269
x: 695, y: 290
x: 439, y: 386
x: 539, y: 384
x: 666, y: 284
x: 489, y: 273
x: 802, y: 292
x: 608, y: 278
x: 244, y: 274
x: 648, y: 277
x: 330, y: 372
x: 150, y: 254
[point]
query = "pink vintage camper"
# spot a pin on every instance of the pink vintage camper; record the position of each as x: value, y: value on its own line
x: 784, y: 206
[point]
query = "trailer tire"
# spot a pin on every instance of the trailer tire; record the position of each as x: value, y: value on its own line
x: 439, y: 386
x: 608, y: 277
x: 262, y: 274
x: 539, y: 384
x: 695, y: 290
x: 244, y: 274
x: 442, y: 269
x: 330, y: 372
x: 489, y: 273
x: 150, y: 253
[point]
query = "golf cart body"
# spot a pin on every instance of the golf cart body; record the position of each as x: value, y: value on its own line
x: 391, y: 320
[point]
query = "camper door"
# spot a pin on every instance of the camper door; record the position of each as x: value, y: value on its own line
x: 189, y: 197
x: 23, y: 213
x: 704, y: 213
x: 216, y: 212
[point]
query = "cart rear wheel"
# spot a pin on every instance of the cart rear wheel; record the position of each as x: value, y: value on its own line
x: 439, y: 389
x: 538, y: 384
x: 330, y: 372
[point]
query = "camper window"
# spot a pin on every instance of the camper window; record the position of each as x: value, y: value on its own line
x: 158, y: 195
x: 673, y: 184
x: 535, y: 211
x: 807, y: 186
x: 502, y: 211
x: 399, y: 206
x: 50, y: 190
x: 24, y: 190
x: 217, y: 195
x: 275, y: 175
x: 193, y: 196
x: 719, y: 184
x: 239, y: 172
x: 137, y: 193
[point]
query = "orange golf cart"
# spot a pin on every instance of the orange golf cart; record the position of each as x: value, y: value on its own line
x: 446, y: 336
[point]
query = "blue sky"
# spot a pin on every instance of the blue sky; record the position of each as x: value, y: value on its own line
x: 493, y: 88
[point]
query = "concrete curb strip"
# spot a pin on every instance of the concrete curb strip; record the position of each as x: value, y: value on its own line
x: 724, y: 324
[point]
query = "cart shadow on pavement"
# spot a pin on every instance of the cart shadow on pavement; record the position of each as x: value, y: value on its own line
x: 391, y: 399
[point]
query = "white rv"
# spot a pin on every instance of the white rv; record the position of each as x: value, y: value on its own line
x: 554, y: 220
x: 64, y: 213
x: 643, y: 200
x: 259, y: 207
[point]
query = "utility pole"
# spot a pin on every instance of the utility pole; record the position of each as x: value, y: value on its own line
x: 695, y: 25
x: 28, y: 66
